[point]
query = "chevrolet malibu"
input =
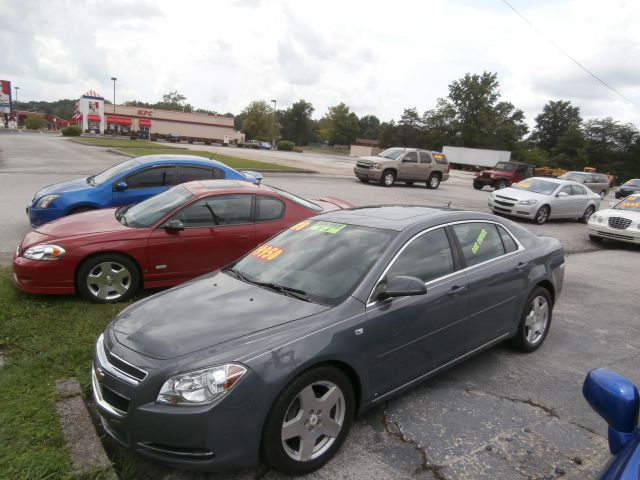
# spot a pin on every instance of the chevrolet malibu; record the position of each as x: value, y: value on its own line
x: 542, y: 198
x: 273, y: 355
x: 127, y: 183
x: 189, y: 230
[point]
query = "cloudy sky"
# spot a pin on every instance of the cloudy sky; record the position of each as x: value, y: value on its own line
x: 379, y: 57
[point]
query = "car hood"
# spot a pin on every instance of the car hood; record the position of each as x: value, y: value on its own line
x: 207, y: 311
x: 611, y: 212
x: 64, y: 187
x: 517, y: 194
x: 373, y: 158
x: 87, y: 226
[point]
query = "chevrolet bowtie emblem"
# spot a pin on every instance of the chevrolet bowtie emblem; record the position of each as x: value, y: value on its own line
x: 99, y: 373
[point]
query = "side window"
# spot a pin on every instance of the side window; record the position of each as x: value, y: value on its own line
x: 427, y: 257
x: 218, y: 210
x: 152, y: 177
x: 188, y: 173
x: 603, y: 179
x: 440, y: 158
x: 411, y: 157
x: 566, y: 189
x: 218, y: 173
x: 578, y: 190
x: 479, y: 242
x: 529, y: 171
x: 425, y: 157
x: 268, y: 208
x: 509, y: 243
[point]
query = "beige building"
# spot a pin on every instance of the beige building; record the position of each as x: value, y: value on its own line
x: 93, y: 115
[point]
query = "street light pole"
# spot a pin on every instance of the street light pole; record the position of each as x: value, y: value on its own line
x: 16, y: 88
x: 273, y: 125
x: 114, y: 106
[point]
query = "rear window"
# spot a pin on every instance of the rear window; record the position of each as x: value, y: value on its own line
x: 440, y: 158
x: 299, y: 200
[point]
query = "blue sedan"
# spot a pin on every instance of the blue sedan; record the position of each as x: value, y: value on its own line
x: 127, y: 183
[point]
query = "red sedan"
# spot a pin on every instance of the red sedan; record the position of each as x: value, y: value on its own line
x: 184, y: 232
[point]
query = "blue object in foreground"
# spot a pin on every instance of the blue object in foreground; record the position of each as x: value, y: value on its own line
x: 615, y: 398
x: 127, y: 183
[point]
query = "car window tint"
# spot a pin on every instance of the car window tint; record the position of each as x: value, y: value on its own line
x: 508, y: 242
x: 268, y: 208
x: 425, y: 157
x: 218, y: 210
x: 152, y: 177
x: 479, y: 242
x: 578, y: 190
x: 411, y: 157
x: 426, y: 257
x: 188, y: 173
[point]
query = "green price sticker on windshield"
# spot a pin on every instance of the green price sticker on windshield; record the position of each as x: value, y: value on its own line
x: 327, y: 227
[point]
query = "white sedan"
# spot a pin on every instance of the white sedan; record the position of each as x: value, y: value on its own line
x: 542, y: 198
x: 620, y: 222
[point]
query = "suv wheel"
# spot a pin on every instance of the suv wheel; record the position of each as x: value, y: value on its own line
x: 477, y: 185
x: 387, y: 179
x: 434, y: 181
x: 500, y: 184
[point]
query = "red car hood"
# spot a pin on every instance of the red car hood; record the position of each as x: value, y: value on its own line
x: 87, y: 226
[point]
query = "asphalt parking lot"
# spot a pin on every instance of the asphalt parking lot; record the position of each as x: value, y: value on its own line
x: 500, y: 415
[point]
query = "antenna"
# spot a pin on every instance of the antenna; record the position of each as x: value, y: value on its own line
x: 449, y: 204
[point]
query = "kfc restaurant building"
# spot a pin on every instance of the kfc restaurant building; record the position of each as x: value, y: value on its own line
x: 93, y: 115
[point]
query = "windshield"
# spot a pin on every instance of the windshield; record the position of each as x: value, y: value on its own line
x: 633, y: 183
x: 300, y: 201
x: 147, y: 213
x: 321, y: 260
x: 114, y: 171
x: 505, y: 166
x: 631, y: 204
x: 392, y: 153
x: 575, y: 176
x: 536, y: 185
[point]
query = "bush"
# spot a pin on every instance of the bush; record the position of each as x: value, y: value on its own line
x: 35, y: 123
x: 154, y: 137
x: 71, y: 131
x: 286, y: 145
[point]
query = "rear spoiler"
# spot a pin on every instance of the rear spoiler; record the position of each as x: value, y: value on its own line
x: 337, y: 202
x: 255, y: 177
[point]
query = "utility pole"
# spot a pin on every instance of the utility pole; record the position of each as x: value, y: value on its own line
x: 114, y: 106
x: 273, y: 125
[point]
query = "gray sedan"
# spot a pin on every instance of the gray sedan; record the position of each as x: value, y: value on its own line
x: 274, y: 355
x: 542, y: 198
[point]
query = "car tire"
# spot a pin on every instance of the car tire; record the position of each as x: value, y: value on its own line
x: 302, y: 424
x: 587, y: 214
x: 534, y: 322
x: 80, y: 210
x: 500, y: 184
x: 363, y: 180
x: 477, y: 185
x: 434, y: 181
x: 108, y: 278
x: 388, y: 178
x: 595, y: 238
x: 542, y: 215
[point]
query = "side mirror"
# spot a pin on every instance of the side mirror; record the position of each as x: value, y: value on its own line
x: 562, y: 194
x: 174, y: 226
x: 121, y: 186
x: 615, y: 398
x: 400, y: 286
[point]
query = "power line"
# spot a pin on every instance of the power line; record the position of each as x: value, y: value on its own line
x: 569, y: 56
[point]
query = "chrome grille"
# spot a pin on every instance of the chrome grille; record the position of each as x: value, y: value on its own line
x: 619, y: 223
x: 125, y: 367
x: 501, y: 197
x: 362, y: 164
x: 506, y: 204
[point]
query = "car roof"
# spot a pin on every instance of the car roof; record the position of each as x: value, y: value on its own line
x: 399, y: 217
x: 169, y: 158
x: 203, y: 187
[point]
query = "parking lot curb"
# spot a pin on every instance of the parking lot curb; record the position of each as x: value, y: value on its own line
x: 85, y: 449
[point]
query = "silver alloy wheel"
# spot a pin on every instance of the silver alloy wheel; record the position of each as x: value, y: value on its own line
x: 434, y: 181
x: 388, y: 179
x: 587, y: 214
x: 535, y: 323
x: 543, y: 215
x: 109, y: 280
x: 313, y: 421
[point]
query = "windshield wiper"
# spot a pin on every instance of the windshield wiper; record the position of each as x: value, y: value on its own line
x: 91, y: 181
x: 238, y: 274
x: 288, y: 291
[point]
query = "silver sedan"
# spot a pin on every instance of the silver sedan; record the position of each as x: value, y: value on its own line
x: 542, y: 198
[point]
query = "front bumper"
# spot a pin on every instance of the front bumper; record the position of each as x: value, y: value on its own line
x: 40, y: 216
x: 483, y: 181
x: 44, y: 277
x: 629, y: 235
x: 222, y: 435
x: 512, y: 208
x: 368, y: 173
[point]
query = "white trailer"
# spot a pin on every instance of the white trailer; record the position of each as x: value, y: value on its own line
x: 475, y: 157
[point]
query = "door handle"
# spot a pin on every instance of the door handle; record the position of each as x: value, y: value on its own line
x: 522, y: 267
x: 242, y: 237
x: 455, y: 291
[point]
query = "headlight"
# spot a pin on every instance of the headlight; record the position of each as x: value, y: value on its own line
x: 597, y: 218
x: 200, y: 386
x: 375, y: 165
x: 46, y: 201
x: 44, y: 252
x: 527, y: 202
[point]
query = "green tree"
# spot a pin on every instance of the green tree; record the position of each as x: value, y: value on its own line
x: 339, y: 126
x: 369, y: 127
x: 296, y: 122
x: 611, y: 146
x: 258, y: 122
x: 35, y: 123
x: 556, y: 119
x: 410, y: 128
x: 388, y: 134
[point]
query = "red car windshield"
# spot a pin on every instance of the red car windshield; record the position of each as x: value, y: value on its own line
x: 147, y: 213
